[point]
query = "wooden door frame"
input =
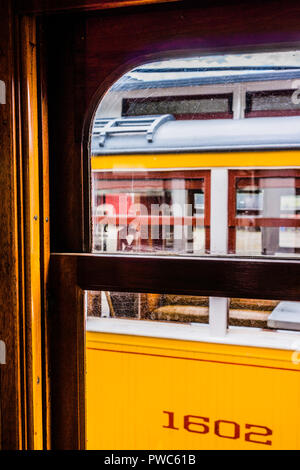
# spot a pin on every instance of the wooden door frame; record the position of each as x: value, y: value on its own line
x: 11, y: 318
x: 29, y: 332
x: 24, y: 244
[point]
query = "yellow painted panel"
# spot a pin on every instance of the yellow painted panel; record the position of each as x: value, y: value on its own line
x: 146, y: 393
x: 198, y: 160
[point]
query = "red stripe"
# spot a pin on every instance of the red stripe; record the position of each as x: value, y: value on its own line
x: 194, y: 359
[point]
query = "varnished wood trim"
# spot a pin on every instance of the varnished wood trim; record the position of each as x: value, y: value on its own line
x: 44, y: 233
x: 67, y: 356
x: 277, y: 279
x: 10, y: 373
x: 20, y: 196
x: 31, y: 214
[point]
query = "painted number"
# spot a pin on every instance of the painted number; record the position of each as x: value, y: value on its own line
x: 196, y: 424
x: 264, y: 432
x: 221, y: 428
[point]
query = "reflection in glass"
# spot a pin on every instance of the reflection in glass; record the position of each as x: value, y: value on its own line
x: 155, y: 307
x: 191, y: 309
x: 266, y: 215
x: 157, y: 212
x: 198, y: 106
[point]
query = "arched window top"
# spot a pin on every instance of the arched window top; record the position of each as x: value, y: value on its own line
x: 207, y: 87
x: 151, y: 134
x: 187, y: 159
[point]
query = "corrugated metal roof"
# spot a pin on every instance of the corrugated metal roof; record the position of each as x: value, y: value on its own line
x: 198, y: 135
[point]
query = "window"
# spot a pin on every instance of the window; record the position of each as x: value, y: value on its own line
x: 181, y: 107
x: 194, y: 310
x: 169, y: 177
x: 264, y: 212
x: 157, y: 211
x: 212, y: 87
x: 272, y: 103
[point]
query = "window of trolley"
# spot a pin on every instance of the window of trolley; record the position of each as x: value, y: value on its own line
x: 157, y: 212
x: 263, y: 211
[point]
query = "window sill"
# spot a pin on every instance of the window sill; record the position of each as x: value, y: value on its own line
x: 239, y: 336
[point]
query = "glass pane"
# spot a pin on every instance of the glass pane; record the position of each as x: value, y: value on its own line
x: 192, y: 309
x: 154, y: 307
x: 272, y: 314
x: 189, y: 107
x: 251, y: 312
x: 164, y: 141
x: 266, y: 219
x: 154, y: 212
x: 272, y: 103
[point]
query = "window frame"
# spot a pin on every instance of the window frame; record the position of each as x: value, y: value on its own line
x: 83, y: 51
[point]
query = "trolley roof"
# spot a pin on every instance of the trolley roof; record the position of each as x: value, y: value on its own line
x: 213, y: 77
x: 148, y: 134
x: 215, y: 69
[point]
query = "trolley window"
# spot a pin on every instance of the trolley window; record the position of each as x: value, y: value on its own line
x: 170, y: 176
x: 264, y: 211
x: 181, y: 107
x: 152, y: 212
x: 272, y: 103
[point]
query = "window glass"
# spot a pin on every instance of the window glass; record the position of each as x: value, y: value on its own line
x: 191, y: 309
x: 189, y: 107
x: 264, y: 216
x: 159, y: 307
x: 209, y: 87
x: 251, y: 312
x: 158, y: 211
x: 170, y: 175
x: 272, y: 103
x: 168, y: 212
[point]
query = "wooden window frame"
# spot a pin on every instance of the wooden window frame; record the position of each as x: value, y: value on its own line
x: 78, y: 71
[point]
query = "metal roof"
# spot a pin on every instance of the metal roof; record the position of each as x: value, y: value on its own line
x: 128, y: 82
x: 193, y: 135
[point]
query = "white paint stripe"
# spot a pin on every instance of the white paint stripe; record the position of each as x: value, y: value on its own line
x: 199, y: 332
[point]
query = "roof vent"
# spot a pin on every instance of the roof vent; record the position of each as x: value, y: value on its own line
x: 129, y: 125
